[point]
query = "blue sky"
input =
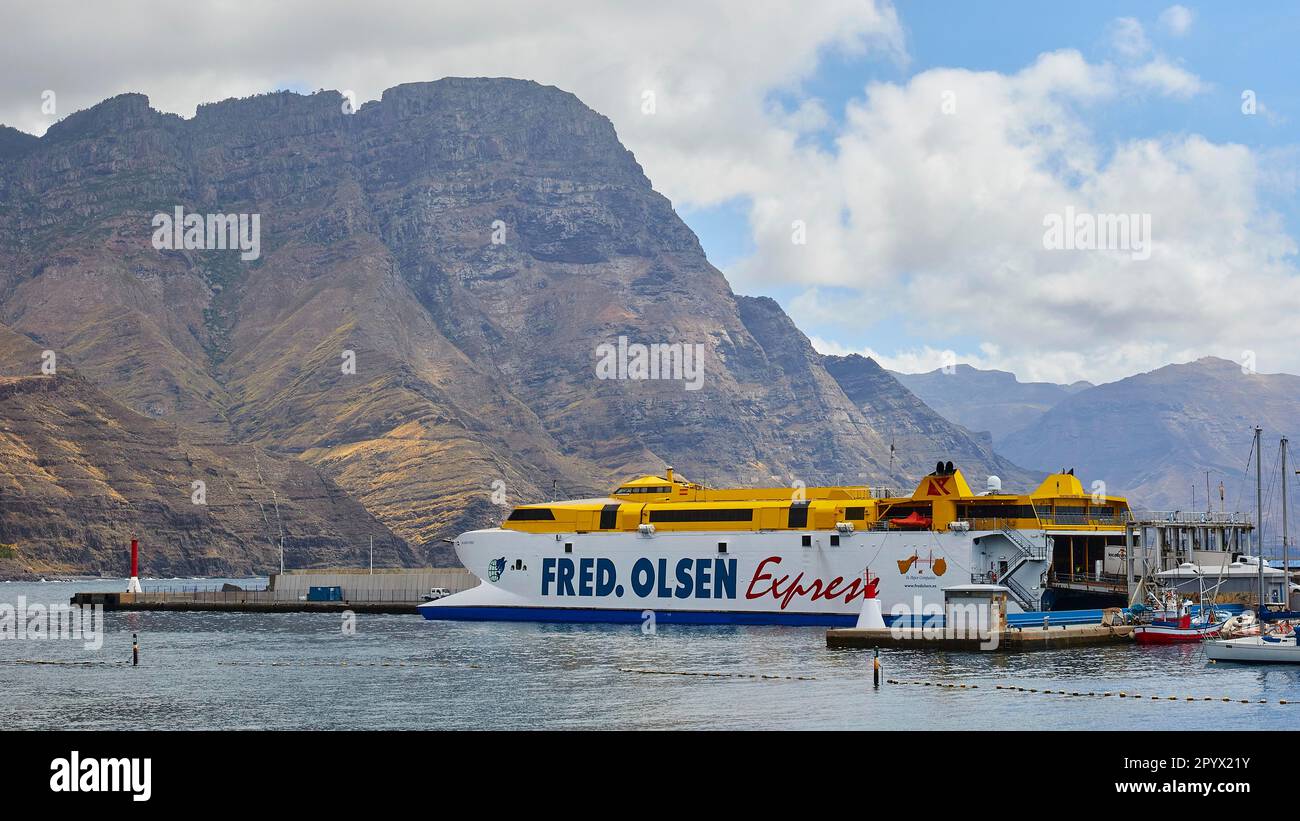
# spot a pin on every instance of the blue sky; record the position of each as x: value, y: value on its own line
x: 1230, y: 48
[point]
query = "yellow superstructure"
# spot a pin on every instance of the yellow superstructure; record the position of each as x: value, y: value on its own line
x: 941, y: 498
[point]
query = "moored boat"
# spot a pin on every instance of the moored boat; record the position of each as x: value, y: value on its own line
x: 686, y: 553
x: 1184, y: 630
x: 1255, y: 649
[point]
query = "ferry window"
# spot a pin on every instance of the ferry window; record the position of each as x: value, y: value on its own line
x: 705, y: 515
x: 722, y: 547
x: 609, y: 517
x: 807, y: 541
x: 798, y: 515
x: 855, y: 513
x: 568, y: 547
x: 835, y: 541
x: 531, y: 514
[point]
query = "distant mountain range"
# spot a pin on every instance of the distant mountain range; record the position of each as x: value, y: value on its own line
x: 412, y: 349
x: 992, y: 401
x: 1151, y: 437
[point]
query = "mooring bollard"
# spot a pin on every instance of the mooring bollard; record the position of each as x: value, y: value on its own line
x: 135, y: 651
x: 875, y: 665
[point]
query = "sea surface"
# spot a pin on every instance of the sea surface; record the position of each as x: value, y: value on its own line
x: 305, y: 671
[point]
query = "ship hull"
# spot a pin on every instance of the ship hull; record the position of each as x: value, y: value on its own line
x: 1172, y: 634
x: 1254, y: 650
x: 693, y: 577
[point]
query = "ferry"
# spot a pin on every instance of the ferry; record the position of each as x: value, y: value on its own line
x: 666, y: 548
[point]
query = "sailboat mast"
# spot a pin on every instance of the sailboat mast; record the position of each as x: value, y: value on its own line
x: 1286, y: 558
x: 1259, y: 516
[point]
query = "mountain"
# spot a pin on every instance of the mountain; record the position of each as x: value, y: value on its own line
x: 440, y: 281
x: 914, y: 428
x: 81, y: 475
x: 1153, y: 436
x: 987, y: 400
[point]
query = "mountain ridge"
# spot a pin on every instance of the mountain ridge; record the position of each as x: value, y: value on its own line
x: 469, y: 244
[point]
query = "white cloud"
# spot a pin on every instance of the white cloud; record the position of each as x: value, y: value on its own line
x: 940, y: 215
x: 1177, y: 20
x: 1164, y: 77
x: 1129, y: 38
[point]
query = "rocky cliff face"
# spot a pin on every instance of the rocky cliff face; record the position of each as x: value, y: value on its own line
x: 81, y: 475
x: 471, y: 246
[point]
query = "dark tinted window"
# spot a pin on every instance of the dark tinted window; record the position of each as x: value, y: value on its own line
x: 726, y: 515
x: 609, y: 517
x: 531, y: 514
x: 798, y: 515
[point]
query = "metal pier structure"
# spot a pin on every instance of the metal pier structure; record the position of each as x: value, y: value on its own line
x: 1156, y: 541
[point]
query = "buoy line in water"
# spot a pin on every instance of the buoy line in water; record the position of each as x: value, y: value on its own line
x: 1090, y: 694
x: 708, y: 674
x: 58, y: 663
x: 335, y: 664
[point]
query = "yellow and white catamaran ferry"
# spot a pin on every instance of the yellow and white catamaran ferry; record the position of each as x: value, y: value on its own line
x: 701, y: 555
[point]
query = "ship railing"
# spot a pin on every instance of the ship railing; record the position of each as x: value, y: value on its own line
x: 1187, y: 517
x: 1030, y: 549
x: 988, y: 523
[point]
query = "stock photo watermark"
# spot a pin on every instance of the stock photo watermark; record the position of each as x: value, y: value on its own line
x: 635, y: 361
x: 208, y: 232
x: 21, y: 621
x: 955, y: 621
x: 1071, y: 231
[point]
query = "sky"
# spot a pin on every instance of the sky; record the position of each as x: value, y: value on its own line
x: 1066, y: 192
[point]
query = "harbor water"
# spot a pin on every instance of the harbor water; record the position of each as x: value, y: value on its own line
x: 316, y: 671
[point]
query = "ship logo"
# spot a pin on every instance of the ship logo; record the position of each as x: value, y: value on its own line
x: 937, y: 566
x: 495, y: 568
x: 937, y: 486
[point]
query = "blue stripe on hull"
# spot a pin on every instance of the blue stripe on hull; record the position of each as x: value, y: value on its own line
x: 611, y: 616
x: 603, y: 616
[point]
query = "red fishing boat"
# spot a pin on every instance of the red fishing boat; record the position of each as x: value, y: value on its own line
x: 1185, y: 629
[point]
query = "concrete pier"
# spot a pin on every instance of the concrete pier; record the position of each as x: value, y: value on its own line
x: 232, y: 602
x: 1006, y: 641
x: 389, y: 591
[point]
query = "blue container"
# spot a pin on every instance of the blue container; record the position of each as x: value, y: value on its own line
x: 325, y: 594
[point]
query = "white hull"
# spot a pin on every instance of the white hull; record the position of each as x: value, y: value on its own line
x: 1254, y: 649
x: 763, y: 576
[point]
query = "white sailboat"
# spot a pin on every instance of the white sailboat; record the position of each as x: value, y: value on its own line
x: 1278, y: 647
x: 1271, y: 649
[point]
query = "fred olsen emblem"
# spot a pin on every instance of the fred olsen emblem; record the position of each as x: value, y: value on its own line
x: 495, y: 568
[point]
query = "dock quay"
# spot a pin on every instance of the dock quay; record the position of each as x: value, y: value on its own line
x: 975, y: 618
x: 1010, y: 640
x: 360, y: 591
